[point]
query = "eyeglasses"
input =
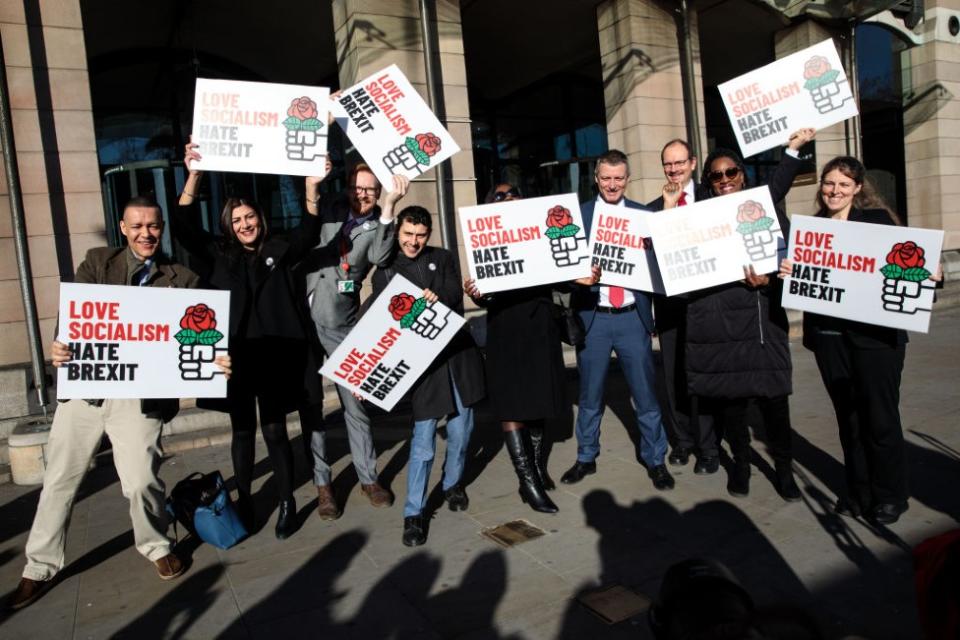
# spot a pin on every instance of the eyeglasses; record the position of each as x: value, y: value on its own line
x: 369, y: 191
x: 500, y: 196
x: 717, y: 176
x: 675, y: 165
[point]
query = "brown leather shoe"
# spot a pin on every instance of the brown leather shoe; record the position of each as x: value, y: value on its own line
x: 169, y: 567
x: 27, y: 592
x: 327, y: 507
x: 378, y: 496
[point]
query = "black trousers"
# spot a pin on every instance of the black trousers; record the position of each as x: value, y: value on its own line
x: 687, y: 425
x: 732, y: 413
x: 864, y: 386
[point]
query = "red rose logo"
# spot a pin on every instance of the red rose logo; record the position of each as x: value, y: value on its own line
x: 815, y: 67
x: 906, y: 255
x: 428, y: 143
x: 750, y: 211
x: 302, y: 108
x: 559, y: 217
x: 199, y: 318
x: 401, y: 304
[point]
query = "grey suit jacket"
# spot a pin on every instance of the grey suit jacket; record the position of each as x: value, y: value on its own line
x: 370, y: 244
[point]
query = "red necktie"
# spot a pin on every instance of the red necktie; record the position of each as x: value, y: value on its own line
x: 683, y: 199
x: 616, y: 297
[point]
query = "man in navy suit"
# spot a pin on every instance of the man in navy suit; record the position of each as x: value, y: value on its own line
x: 617, y: 320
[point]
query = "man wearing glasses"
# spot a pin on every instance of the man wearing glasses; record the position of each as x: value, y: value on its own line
x: 690, y: 429
x: 361, y: 235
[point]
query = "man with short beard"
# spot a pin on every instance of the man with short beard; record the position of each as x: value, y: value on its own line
x: 133, y: 426
x: 361, y: 235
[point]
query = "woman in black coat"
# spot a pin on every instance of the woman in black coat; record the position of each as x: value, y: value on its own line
x: 737, y: 349
x: 860, y: 365
x: 269, y: 325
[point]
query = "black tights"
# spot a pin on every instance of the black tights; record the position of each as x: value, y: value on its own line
x: 776, y: 422
x: 243, y: 420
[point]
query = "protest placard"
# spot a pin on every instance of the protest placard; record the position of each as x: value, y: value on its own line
x: 261, y: 127
x: 524, y: 243
x: 709, y: 242
x: 142, y: 342
x: 392, y: 127
x: 805, y: 89
x: 873, y: 273
x: 395, y: 341
x: 620, y: 245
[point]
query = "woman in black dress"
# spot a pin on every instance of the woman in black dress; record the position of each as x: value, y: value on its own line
x: 525, y: 372
x: 860, y: 365
x: 269, y: 325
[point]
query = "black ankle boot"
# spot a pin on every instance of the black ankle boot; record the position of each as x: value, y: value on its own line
x: 531, y: 491
x: 286, y: 519
x: 739, y: 483
x: 538, y: 457
x: 786, y: 485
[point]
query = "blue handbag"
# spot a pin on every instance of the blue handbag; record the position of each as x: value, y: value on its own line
x: 203, y: 506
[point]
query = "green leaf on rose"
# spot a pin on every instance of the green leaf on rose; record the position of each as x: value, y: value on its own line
x: 311, y: 124
x: 553, y: 232
x: 292, y: 123
x: 186, y: 336
x: 916, y: 274
x: 892, y: 271
x: 418, y: 306
x: 210, y: 336
x: 569, y: 231
x: 407, y: 321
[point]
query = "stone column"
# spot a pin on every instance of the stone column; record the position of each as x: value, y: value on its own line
x: 643, y: 86
x: 931, y: 123
x: 46, y: 67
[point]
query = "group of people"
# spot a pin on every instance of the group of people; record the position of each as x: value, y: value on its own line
x: 295, y: 298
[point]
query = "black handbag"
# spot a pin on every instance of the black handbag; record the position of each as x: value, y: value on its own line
x: 569, y: 324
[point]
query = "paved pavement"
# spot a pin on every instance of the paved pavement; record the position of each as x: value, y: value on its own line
x: 353, y: 579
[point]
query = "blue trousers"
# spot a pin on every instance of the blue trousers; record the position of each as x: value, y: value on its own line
x: 423, y: 446
x: 624, y: 334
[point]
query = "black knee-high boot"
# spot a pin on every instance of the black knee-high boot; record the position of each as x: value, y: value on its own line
x: 531, y: 490
x: 539, y: 455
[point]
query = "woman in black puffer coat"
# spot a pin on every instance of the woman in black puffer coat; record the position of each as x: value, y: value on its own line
x: 737, y: 349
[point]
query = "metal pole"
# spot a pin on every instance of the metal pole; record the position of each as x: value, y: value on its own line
x: 20, y: 239
x: 691, y: 114
x: 854, y: 88
x: 448, y: 226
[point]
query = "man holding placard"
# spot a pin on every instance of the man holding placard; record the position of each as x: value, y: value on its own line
x: 133, y: 426
x: 357, y: 230
x: 616, y: 320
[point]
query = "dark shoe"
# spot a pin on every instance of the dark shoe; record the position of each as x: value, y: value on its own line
x: 27, y: 592
x: 245, y: 511
x: 578, y: 471
x: 662, y: 480
x: 378, y: 496
x: 538, y: 452
x: 414, y: 534
x: 847, y: 508
x: 169, y: 567
x: 327, y: 508
x: 706, y: 465
x: 887, y: 512
x: 456, y: 498
x: 786, y: 485
x: 286, y: 519
x: 679, y: 457
x: 531, y: 491
x: 739, y: 483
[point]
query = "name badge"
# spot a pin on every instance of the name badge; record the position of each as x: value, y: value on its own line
x: 345, y: 286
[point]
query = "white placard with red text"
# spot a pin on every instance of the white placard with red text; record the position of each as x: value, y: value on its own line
x: 620, y: 245
x: 261, y: 127
x: 524, y: 243
x: 871, y: 273
x: 392, y: 127
x: 709, y: 242
x: 395, y: 341
x: 142, y: 342
x: 805, y: 89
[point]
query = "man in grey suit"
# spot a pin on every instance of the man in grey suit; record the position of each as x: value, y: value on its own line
x: 361, y: 234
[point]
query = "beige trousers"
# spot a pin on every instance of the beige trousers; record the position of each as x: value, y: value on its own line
x: 74, y: 438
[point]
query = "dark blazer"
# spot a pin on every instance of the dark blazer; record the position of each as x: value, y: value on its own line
x: 108, y: 265
x: 584, y: 299
x: 432, y: 397
x: 861, y: 335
